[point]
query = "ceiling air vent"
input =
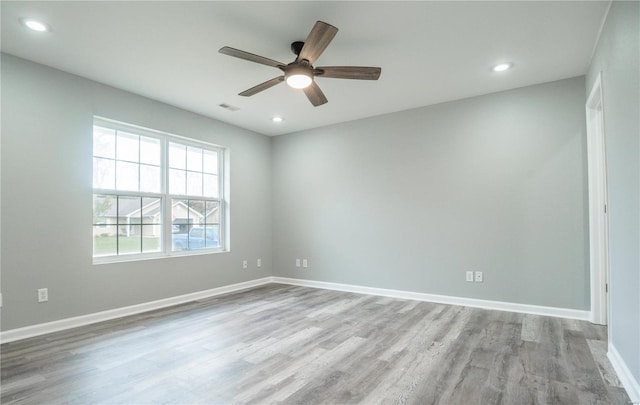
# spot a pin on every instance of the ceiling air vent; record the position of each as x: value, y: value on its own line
x: 229, y: 107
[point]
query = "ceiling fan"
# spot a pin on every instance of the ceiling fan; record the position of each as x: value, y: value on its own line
x: 300, y: 73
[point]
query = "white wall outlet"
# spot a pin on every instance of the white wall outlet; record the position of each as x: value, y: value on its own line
x: 479, y: 277
x: 259, y: 262
x: 297, y: 262
x: 43, y: 294
x: 245, y: 264
x: 470, y: 276
x: 305, y: 263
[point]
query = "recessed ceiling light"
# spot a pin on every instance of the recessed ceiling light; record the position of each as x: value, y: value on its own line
x: 277, y: 119
x: 501, y: 67
x: 35, y: 25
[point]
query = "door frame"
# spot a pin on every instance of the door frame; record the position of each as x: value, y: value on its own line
x: 598, y: 209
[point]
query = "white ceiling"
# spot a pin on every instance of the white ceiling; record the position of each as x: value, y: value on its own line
x: 430, y: 52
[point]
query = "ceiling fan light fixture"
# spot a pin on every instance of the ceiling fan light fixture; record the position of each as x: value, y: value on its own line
x: 298, y: 75
x: 299, y: 81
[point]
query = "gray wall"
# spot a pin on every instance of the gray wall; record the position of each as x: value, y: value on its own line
x: 617, y: 56
x: 412, y: 200
x: 47, y: 199
x: 409, y: 200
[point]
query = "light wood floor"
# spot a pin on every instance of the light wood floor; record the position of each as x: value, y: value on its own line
x: 305, y: 346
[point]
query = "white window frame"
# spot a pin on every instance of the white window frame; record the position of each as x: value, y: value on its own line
x: 166, y: 198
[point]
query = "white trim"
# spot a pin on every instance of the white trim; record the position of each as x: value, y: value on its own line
x: 441, y: 299
x: 597, y: 41
x: 82, y: 320
x: 629, y: 383
x: 68, y: 323
x: 598, y: 224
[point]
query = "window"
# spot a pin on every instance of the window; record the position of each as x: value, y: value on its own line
x: 154, y: 194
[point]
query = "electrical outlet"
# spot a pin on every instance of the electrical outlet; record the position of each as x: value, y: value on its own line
x: 305, y: 263
x: 245, y: 264
x: 259, y: 263
x: 43, y: 294
x: 470, y: 276
x: 297, y: 262
x: 479, y: 277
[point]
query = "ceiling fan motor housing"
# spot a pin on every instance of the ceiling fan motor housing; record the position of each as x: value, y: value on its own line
x: 298, y: 74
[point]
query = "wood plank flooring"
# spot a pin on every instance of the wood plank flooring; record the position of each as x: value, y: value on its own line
x: 297, y: 345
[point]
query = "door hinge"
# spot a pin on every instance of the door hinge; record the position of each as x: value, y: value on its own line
x: 605, y: 208
x: 606, y: 287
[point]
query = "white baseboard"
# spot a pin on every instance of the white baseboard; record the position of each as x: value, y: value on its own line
x: 441, y: 299
x: 629, y: 383
x: 68, y: 323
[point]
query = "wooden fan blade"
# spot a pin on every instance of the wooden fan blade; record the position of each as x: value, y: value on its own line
x: 319, y: 38
x: 315, y: 95
x: 262, y: 86
x: 349, y: 72
x: 237, y: 53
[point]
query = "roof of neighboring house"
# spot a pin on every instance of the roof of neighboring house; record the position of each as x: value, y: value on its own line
x: 131, y: 207
x: 125, y: 207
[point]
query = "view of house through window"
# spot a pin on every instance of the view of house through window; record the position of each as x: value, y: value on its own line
x: 154, y: 193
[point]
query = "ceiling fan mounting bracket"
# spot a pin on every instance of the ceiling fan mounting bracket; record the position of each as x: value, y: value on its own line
x: 296, y: 47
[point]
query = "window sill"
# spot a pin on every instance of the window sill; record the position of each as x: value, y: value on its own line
x: 154, y: 256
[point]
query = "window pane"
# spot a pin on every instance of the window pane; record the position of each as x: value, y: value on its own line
x: 104, y: 173
x: 151, y: 211
x: 136, y: 219
x: 105, y: 240
x: 196, y: 232
x: 104, y: 210
x: 129, y: 210
x: 194, y: 159
x: 197, y: 210
x: 212, y: 238
x: 127, y: 176
x: 129, y: 244
x: 212, y: 213
x: 181, y: 219
x: 177, y: 181
x: 149, y: 150
x: 127, y: 147
x: 188, y: 229
x: 210, y: 162
x: 196, y: 241
x: 177, y: 156
x: 150, y: 179
x: 104, y: 142
x: 194, y: 183
x: 151, y: 235
x: 210, y: 186
x: 129, y: 227
x: 179, y: 241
